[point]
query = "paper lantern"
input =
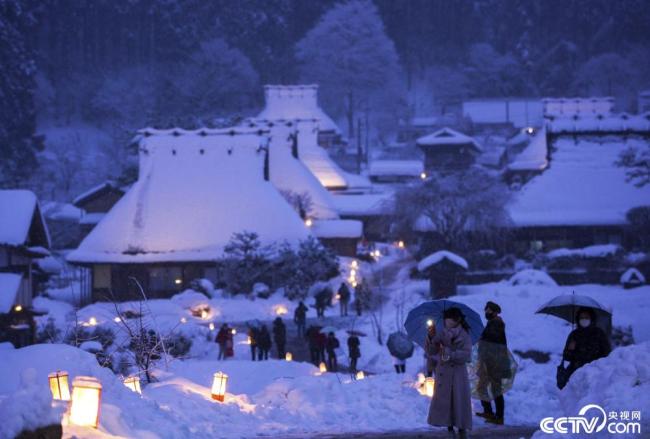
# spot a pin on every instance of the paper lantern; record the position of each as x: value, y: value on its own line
x: 429, y: 323
x: 133, y: 383
x: 219, y: 386
x: 281, y: 310
x: 288, y: 356
x: 360, y: 375
x: 86, y: 398
x: 421, y: 378
x: 59, y: 385
x: 211, y: 326
x: 233, y: 331
x: 117, y: 320
x: 354, y: 264
x: 204, y: 314
x: 400, y: 244
x: 423, y: 175
x: 429, y: 386
x: 309, y: 222
x: 183, y: 320
x: 322, y: 367
x: 92, y: 321
x: 18, y: 308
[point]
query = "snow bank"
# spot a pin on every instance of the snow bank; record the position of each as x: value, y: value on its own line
x: 532, y: 277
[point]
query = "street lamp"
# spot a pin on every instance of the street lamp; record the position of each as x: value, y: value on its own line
x: 86, y: 398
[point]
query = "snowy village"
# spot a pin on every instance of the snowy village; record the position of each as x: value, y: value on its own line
x: 324, y: 219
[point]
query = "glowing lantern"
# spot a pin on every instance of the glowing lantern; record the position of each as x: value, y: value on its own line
x: 338, y: 296
x: 429, y: 323
x: 353, y: 272
x: 400, y: 244
x: 18, y: 308
x: 204, y: 314
x: 59, y: 385
x: 133, y: 383
x: 178, y: 281
x: 92, y: 321
x: 530, y: 130
x: 322, y: 367
x: 423, y: 175
x: 288, y: 356
x: 211, y: 326
x: 219, y: 386
x: 117, y: 320
x: 281, y: 310
x: 354, y: 284
x: 183, y: 320
x: 429, y: 385
x: 360, y: 375
x: 249, y: 340
x: 233, y: 331
x: 309, y: 222
x: 86, y: 398
x: 421, y: 378
x: 354, y: 264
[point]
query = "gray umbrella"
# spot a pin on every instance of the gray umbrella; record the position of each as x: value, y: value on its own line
x: 567, y: 305
x: 400, y: 346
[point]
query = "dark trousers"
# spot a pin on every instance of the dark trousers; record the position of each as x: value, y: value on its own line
x: 314, y: 354
x: 344, y: 308
x: 499, y: 404
x: 400, y: 368
x: 320, y: 311
x: 253, y: 350
x: 222, y: 351
x: 332, y: 363
x: 263, y: 354
x: 353, y: 364
x: 300, y: 325
x: 281, y: 350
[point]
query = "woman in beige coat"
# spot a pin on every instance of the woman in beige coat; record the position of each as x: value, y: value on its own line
x: 451, y: 405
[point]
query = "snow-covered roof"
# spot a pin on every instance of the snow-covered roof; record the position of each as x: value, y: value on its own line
x: 519, y: 112
x: 577, y: 106
x: 447, y: 136
x: 601, y: 123
x: 9, y: 285
x: 363, y: 204
x: 633, y: 276
x: 19, y: 212
x: 384, y: 168
x: 534, y: 156
x: 95, y: 190
x: 438, y: 257
x: 289, y: 173
x: 288, y: 102
x: 581, y: 186
x: 54, y: 210
x: 194, y: 191
x: 337, y: 229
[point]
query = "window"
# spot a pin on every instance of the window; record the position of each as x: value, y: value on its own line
x: 165, y: 278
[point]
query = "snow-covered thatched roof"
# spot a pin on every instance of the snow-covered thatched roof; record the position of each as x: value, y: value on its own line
x: 581, y: 186
x: 577, y: 106
x: 94, y: 191
x: 288, y: 102
x: 447, y: 136
x: 194, y: 191
x: 439, y: 256
x: 21, y: 222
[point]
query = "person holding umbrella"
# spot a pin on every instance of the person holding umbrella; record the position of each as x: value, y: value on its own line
x: 585, y: 344
x: 493, y: 365
x: 429, y: 349
x: 451, y: 404
x: 400, y: 348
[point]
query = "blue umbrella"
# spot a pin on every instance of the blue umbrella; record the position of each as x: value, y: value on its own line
x: 418, y: 318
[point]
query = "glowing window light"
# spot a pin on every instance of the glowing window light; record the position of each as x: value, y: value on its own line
x: 59, y: 385
x: 92, y: 321
x: 322, y: 367
x: 18, y: 308
x: 219, y: 386
x: 360, y: 375
x: 133, y: 383
x: 429, y: 386
x: 288, y: 356
x: 423, y: 175
x: 86, y: 399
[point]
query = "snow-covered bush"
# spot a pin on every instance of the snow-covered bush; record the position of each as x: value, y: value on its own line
x: 178, y: 345
x: 49, y: 333
x: 532, y: 277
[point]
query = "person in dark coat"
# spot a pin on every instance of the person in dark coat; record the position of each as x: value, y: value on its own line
x: 253, y: 335
x: 300, y: 317
x: 321, y: 342
x: 354, y: 351
x: 360, y: 297
x: 451, y: 405
x: 429, y: 350
x: 230, y: 344
x: 312, y: 341
x: 494, y: 364
x: 221, y: 339
x: 587, y: 343
x: 279, y: 336
x: 263, y: 344
x: 344, y: 298
x: 332, y: 344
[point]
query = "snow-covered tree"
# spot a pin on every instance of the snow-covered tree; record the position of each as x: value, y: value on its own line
x: 353, y: 60
x: 18, y: 146
x: 491, y: 73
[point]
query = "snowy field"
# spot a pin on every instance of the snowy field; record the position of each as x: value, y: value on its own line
x: 292, y: 398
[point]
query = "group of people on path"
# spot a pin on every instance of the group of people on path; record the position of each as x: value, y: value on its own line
x: 260, y: 341
x: 448, y: 352
x: 323, y: 299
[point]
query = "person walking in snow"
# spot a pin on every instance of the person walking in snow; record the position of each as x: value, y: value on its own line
x: 280, y: 336
x: 312, y: 340
x: 585, y: 344
x: 263, y: 344
x: 253, y: 335
x: 360, y: 296
x: 344, y: 298
x: 354, y: 351
x: 230, y: 345
x: 321, y: 343
x: 300, y: 318
x: 451, y: 404
x: 221, y: 339
x: 429, y: 350
x: 494, y: 365
x: 323, y: 298
x: 332, y: 344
